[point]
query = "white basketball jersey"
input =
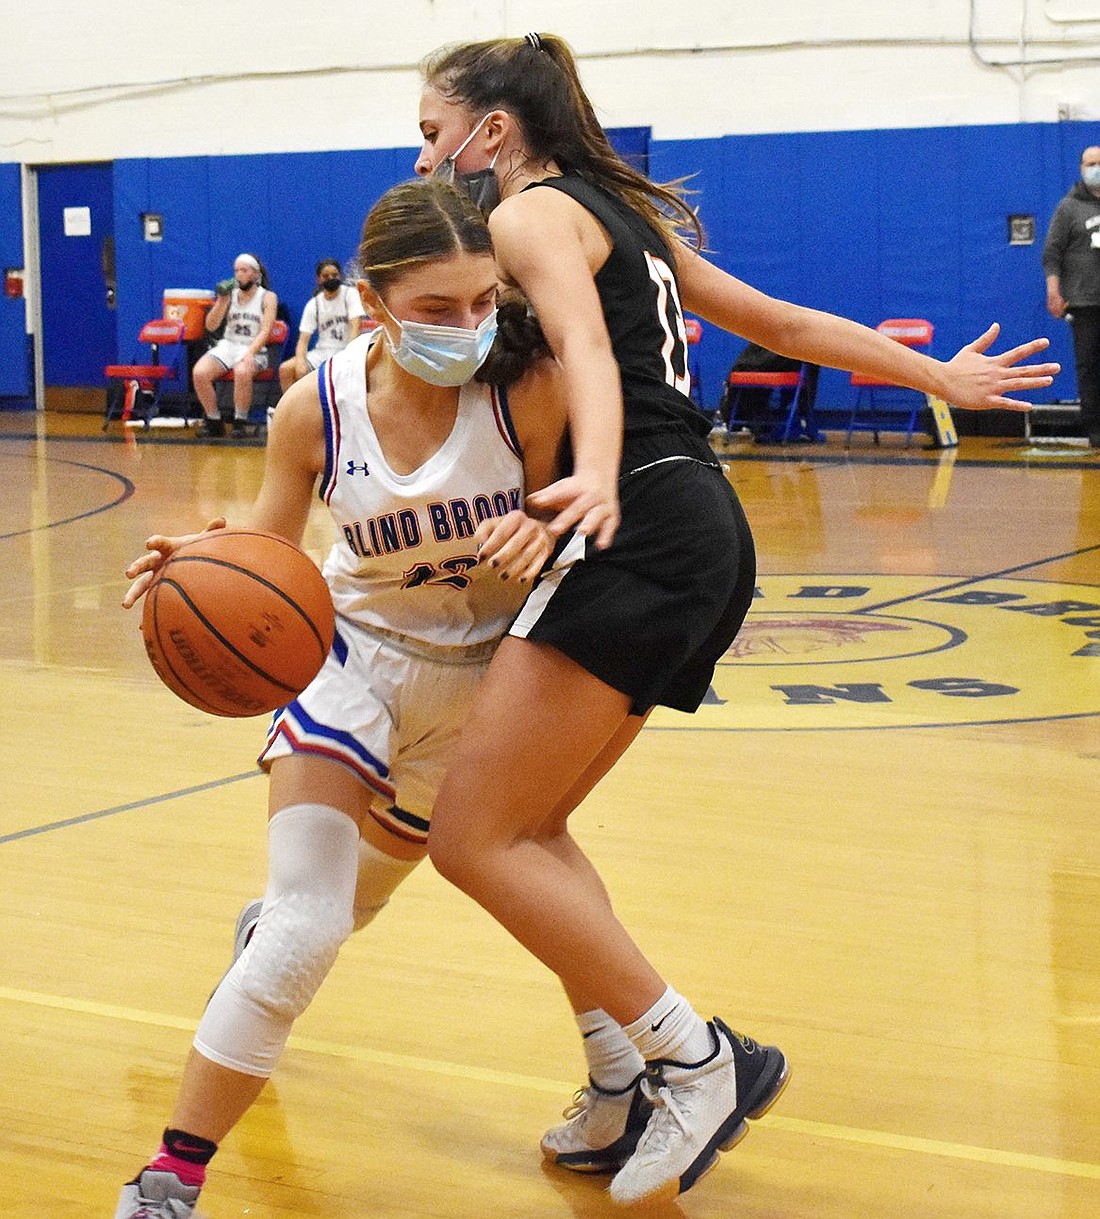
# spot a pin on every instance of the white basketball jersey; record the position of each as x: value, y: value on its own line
x: 243, y: 320
x: 331, y: 319
x: 404, y: 560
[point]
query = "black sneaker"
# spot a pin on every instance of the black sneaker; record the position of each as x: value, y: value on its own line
x: 210, y: 429
x: 243, y: 428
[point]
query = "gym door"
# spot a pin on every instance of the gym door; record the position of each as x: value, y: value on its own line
x: 76, y: 249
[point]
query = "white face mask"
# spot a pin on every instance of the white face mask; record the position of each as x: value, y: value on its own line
x: 1091, y: 176
x: 442, y: 355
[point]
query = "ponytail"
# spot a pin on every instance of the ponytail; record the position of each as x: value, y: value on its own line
x: 535, y: 79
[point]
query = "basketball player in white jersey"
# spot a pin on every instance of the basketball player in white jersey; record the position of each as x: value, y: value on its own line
x: 421, y: 469
x: 333, y: 313
x: 248, y: 310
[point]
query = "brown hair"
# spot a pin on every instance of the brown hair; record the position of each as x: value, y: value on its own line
x: 259, y: 262
x: 519, y: 342
x: 536, y: 80
x: 414, y: 223
x: 426, y: 220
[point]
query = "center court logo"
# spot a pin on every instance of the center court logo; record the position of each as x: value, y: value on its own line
x: 819, y: 652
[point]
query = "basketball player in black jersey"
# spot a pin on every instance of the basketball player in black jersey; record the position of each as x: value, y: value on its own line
x: 654, y: 574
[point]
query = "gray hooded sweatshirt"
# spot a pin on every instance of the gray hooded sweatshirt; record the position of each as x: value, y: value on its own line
x: 1072, y: 248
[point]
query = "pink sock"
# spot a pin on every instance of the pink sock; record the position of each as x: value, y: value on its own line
x: 188, y: 1173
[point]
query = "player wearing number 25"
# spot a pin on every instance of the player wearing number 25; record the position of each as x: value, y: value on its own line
x: 247, y: 307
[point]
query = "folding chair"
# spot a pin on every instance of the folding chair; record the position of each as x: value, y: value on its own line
x: 268, y: 378
x: 137, y: 388
x: 737, y: 382
x: 882, y: 403
x: 694, y: 330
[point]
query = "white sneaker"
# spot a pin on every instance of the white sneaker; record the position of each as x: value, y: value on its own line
x: 699, y: 1109
x: 157, y: 1195
x: 601, y: 1129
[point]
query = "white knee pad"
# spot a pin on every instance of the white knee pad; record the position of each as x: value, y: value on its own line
x: 307, y: 915
x: 379, y: 876
x: 283, y: 967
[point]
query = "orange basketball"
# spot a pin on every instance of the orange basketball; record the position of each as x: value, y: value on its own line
x: 238, y: 622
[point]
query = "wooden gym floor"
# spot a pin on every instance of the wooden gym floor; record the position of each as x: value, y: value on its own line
x: 877, y: 845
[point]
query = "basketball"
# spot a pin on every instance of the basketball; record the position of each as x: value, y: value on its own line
x: 238, y: 622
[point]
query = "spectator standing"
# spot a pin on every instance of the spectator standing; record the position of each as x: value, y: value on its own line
x: 1071, y: 262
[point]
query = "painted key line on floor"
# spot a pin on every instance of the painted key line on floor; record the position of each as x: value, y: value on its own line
x: 534, y: 1083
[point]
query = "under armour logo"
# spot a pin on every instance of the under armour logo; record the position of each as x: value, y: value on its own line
x: 353, y: 466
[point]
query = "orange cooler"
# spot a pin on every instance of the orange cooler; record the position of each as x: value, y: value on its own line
x: 189, y: 306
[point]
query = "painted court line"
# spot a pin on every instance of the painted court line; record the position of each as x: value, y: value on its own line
x: 962, y: 582
x: 533, y: 1083
x: 145, y: 802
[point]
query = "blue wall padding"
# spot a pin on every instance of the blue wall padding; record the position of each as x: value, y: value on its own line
x: 870, y: 224
x: 874, y: 224
x: 289, y: 209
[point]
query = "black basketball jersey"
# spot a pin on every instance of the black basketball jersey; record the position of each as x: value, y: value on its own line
x: 641, y: 308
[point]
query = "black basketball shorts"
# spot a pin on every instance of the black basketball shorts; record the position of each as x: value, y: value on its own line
x: 653, y: 614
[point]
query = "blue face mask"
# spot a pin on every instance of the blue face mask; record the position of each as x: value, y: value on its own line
x: 1091, y: 176
x: 443, y: 355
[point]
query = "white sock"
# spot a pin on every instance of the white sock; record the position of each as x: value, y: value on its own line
x: 613, y: 1061
x: 378, y: 875
x: 671, y: 1029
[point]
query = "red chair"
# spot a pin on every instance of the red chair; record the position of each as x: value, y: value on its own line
x: 693, y: 328
x: 276, y: 341
x: 137, y: 388
x: 738, y: 381
x: 883, y: 404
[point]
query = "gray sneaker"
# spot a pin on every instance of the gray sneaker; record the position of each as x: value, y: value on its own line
x: 242, y: 933
x: 601, y: 1129
x: 246, y: 925
x: 157, y: 1195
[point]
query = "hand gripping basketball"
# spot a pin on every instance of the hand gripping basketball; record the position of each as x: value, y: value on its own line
x: 236, y: 622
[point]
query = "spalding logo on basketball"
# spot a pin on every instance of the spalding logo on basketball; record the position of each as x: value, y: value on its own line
x: 238, y: 622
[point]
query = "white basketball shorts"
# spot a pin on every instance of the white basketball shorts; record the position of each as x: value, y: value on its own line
x: 390, y: 708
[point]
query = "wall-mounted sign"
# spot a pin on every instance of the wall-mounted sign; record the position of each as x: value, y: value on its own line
x: 78, y: 221
x: 1021, y: 229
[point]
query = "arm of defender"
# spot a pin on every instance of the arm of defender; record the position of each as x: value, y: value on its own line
x: 970, y: 379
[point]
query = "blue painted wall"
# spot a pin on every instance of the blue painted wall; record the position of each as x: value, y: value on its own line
x: 869, y: 223
x: 289, y: 209
x: 16, y: 378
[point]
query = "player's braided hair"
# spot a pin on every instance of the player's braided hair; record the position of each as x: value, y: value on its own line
x: 519, y: 342
x: 536, y: 79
